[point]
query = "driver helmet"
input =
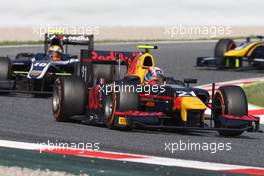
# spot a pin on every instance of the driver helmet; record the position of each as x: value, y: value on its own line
x: 154, y: 74
x: 55, y: 52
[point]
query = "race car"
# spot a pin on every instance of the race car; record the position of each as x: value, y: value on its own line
x: 143, y: 97
x: 36, y: 72
x: 228, y: 55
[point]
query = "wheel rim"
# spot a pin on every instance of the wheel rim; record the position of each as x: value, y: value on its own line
x: 56, y: 99
x: 108, y: 108
x: 218, y: 111
x: 218, y: 107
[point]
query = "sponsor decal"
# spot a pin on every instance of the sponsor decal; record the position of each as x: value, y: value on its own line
x: 76, y: 38
x: 126, y: 57
x: 185, y: 94
x: 40, y: 64
x: 35, y: 72
x: 93, y: 99
x: 122, y: 121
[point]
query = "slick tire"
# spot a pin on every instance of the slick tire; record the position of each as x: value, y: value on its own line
x: 77, y: 69
x: 221, y: 47
x: 105, y: 72
x: 5, y: 68
x: 121, y: 101
x: 69, y: 98
x: 229, y: 100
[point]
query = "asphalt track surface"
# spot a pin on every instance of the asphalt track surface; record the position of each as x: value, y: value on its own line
x: 27, y: 119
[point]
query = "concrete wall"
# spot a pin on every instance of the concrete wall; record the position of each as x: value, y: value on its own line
x: 134, y: 33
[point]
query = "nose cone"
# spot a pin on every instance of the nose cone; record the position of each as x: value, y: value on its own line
x: 34, y: 74
x: 185, y: 104
x: 192, y: 103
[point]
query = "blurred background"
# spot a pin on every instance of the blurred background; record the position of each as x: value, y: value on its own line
x: 132, y: 19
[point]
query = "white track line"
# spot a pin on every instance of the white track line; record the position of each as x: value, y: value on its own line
x: 143, y: 158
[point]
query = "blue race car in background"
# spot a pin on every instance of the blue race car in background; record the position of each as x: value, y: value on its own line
x: 36, y: 73
x: 229, y: 55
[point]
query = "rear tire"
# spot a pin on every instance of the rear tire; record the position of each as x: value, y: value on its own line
x: 77, y: 69
x: 105, y: 72
x: 5, y: 71
x: 121, y: 101
x: 5, y: 68
x: 69, y: 97
x: 221, y: 47
x: 229, y: 100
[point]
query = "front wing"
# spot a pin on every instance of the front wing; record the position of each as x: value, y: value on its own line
x: 155, y: 121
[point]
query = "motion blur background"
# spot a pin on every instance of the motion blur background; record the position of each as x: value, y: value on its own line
x: 18, y: 17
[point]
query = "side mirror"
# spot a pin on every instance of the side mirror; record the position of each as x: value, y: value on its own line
x: 190, y: 81
x: 260, y: 37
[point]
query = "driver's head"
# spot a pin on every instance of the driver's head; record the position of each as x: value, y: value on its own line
x: 154, y: 74
x: 55, y: 52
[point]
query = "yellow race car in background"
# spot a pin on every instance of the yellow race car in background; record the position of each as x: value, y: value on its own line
x: 228, y: 54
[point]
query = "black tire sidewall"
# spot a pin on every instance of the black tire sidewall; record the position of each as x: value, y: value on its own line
x: 234, y: 101
x: 73, y: 97
x: 5, y: 68
x: 222, y: 46
x: 123, y: 102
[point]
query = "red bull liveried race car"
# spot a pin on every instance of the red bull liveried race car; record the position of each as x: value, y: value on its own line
x: 125, y: 90
x: 36, y: 72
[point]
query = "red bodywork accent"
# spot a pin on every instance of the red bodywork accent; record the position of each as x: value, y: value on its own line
x: 133, y: 67
x: 177, y: 103
x: 139, y: 113
x: 93, y: 99
x: 112, y: 56
x: 245, y: 118
x: 155, y: 96
x: 150, y: 104
x: 151, y: 82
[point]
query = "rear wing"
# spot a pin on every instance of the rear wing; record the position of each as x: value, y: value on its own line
x: 69, y: 39
x: 259, y: 37
x: 109, y: 57
x: 90, y: 57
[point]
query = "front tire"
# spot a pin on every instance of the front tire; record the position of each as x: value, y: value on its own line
x: 229, y: 100
x: 69, y: 98
x: 221, y: 47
